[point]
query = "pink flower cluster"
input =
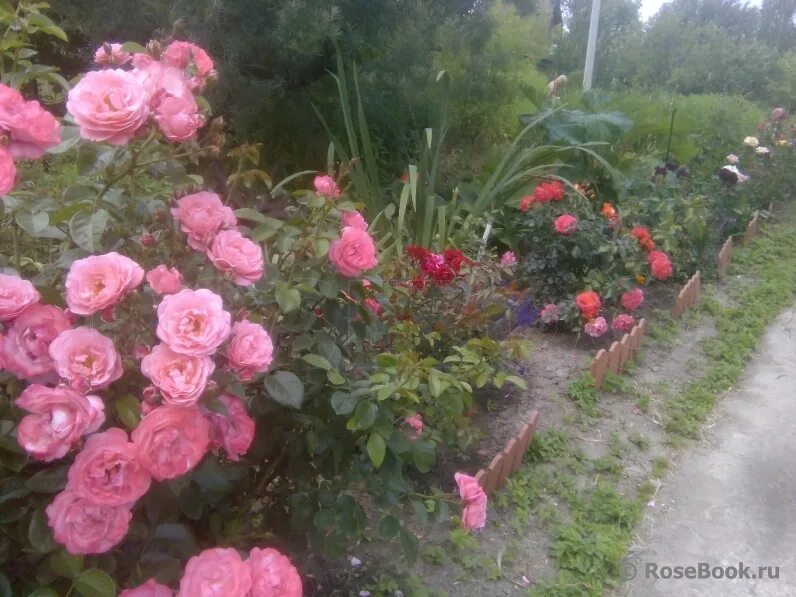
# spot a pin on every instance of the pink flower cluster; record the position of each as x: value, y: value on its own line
x: 27, y: 131
x: 473, y: 502
x: 221, y: 571
x: 114, y: 105
x: 111, y: 471
x: 211, y: 227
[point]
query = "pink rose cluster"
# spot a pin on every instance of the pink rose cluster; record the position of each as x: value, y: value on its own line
x: 27, y: 130
x: 221, y: 571
x: 473, y: 502
x: 114, y: 105
x: 211, y: 227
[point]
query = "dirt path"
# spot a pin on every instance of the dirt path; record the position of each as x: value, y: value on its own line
x: 732, y: 497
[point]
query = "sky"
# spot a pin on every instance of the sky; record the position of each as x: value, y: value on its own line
x: 650, y: 7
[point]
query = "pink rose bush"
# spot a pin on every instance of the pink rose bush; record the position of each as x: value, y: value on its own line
x: 273, y: 574
x: 164, y: 280
x: 85, y: 527
x: 353, y: 253
x: 233, y: 431
x: 596, y: 327
x: 16, y: 295
x: 623, y: 323
x: 30, y: 129
x: 415, y: 423
x: 179, y: 118
x: 24, y: 351
x: 473, y: 502
x: 109, y: 54
x: 236, y: 255
x: 193, y: 322
x: 171, y: 440
x: 58, y: 419
x: 632, y: 299
x: 99, y: 282
x: 327, y: 186
x: 216, y: 572
x: 85, y: 359
x: 150, y: 588
x: 109, y: 105
x: 181, y: 378
x: 202, y: 216
x: 250, y: 351
x: 107, y: 470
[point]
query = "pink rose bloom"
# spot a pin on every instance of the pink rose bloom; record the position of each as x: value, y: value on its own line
x: 234, y: 431
x: 193, y: 322
x: 353, y: 253
x: 508, y: 259
x: 100, y: 281
x: 181, y: 378
x: 109, y: 105
x: 473, y: 502
x: 201, y: 216
x: 25, y: 349
x: 373, y: 305
x: 273, y: 575
x: 596, y: 327
x: 182, y: 54
x: 217, y: 572
x: 566, y: 224
x: 250, y: 349
x: 111, y: 55
x: 164, y: 280
x: 171, y: 440
x: 416, y: 424
x: 8, y: 171
x: 107, y: 472
x: 60, y: 416
x: 238, y: 256
x: 353, y: 219
x: 178, y: 118
x: 623, y: 323
x: 85, y: 527
x: 86, y: 358
x: 660, y: 265
x: 159, y: 80
x: 16, y: 294
x: 549, y: 314
x: 325, y: 185
x: 150, y: 588
x: 31, y: 129
x: 632, y: 299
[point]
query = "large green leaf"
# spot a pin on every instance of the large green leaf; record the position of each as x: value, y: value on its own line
x: 86, y: 229
x: 285, y: 388
x: 95, y: 583
x: 376, y: 449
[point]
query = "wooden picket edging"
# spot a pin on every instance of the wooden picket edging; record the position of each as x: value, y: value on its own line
x: 725, y: 254
x: 619, y: 354
x: 751, y: 230
x: 688, y: 296
x: 509, y: 459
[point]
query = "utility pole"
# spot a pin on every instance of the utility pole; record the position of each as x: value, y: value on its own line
x: 591, y: 45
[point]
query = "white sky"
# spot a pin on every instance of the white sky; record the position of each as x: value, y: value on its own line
x: 650, y: 7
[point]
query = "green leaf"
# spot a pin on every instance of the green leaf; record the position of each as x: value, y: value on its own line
x: 252, y: 215
x: 32, y: 223
x: 45, y: 592
x: 364, y: 416
x: 317, y: 360
x: 321, y: 247
x: 49, y: 480
x: 178, y: 538
x: 410, y: 545
x: 70, y: 137
x: 39, y: 535
x: 517, y: 381
x: 46, y: 25
x: 376, y: 449
x: 343, y: 403
x: 423, y: 455
x: 134, y: 47
x: 95, y: 583
x: 335, y: 377
x: 86, y: 229
x: 128, y: 410
x: 289, y: 299
x: 65, y: 564
x: 285, y: 388
x: 389, y: 527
